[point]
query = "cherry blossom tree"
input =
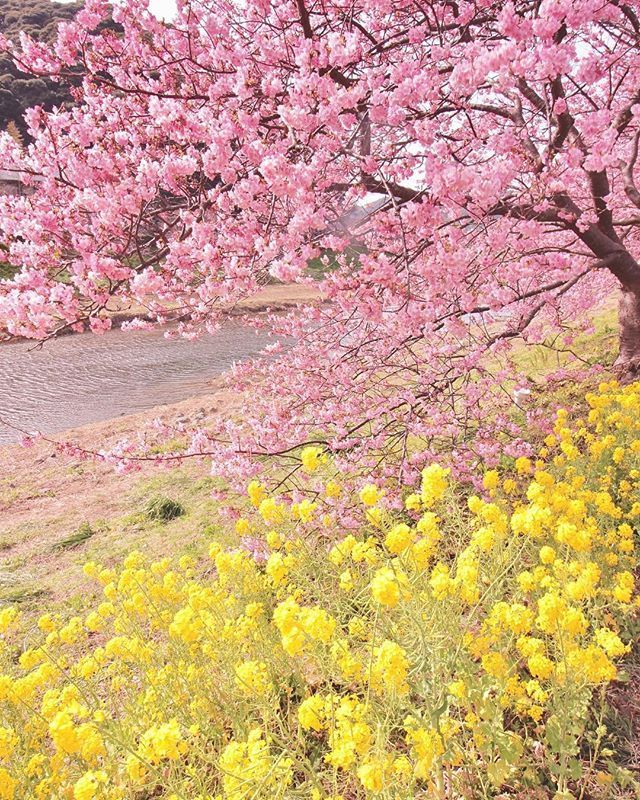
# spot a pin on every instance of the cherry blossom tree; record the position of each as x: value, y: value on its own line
x: 458, y: 175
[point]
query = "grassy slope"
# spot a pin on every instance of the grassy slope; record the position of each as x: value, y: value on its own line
x: 41, y: 559
x: 41, y: 564
x: 47, y: 501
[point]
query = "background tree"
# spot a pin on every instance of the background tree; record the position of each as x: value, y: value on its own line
x: 19, y: 90
x: 240, y: 143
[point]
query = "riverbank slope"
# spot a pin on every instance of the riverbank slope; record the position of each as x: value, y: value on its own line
x: 47, y: 498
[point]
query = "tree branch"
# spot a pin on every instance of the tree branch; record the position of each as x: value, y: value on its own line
x: 304, y: 19
x: 626, y: 170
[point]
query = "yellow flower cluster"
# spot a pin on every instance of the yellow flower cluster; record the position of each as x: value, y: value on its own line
x: 453, y: 649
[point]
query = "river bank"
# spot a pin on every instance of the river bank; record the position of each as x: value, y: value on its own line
x: 75, y: 380
x: 46, y: 497
x: 272, y: 298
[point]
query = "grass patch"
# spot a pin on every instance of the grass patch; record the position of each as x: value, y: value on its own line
x: 25, y: 594
x: 163, y: 509
x: 19, y: 589
x: 598, y: 346
x: 84, y: 532
x: 174, y: 445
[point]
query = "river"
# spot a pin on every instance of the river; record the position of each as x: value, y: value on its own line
x: 83, y: 378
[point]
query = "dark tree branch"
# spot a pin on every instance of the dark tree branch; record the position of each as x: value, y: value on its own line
x: 304, y: 19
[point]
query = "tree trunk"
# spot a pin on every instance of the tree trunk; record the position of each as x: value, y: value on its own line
x: 628, y: 362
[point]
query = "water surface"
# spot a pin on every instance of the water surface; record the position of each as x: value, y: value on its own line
x: 83, y: 378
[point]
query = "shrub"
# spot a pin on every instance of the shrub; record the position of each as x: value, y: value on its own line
x: 451, y: 650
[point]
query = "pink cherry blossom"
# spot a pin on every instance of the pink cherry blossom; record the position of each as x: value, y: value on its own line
x: 465, y: 176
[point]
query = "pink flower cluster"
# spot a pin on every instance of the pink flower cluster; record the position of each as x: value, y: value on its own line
x: 457, y: 174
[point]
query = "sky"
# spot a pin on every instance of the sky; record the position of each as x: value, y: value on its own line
x: 163, y: 9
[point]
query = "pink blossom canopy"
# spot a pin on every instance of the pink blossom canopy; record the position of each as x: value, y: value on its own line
x: 457, y: 174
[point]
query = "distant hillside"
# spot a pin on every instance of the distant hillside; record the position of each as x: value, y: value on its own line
x: 18, y: 91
